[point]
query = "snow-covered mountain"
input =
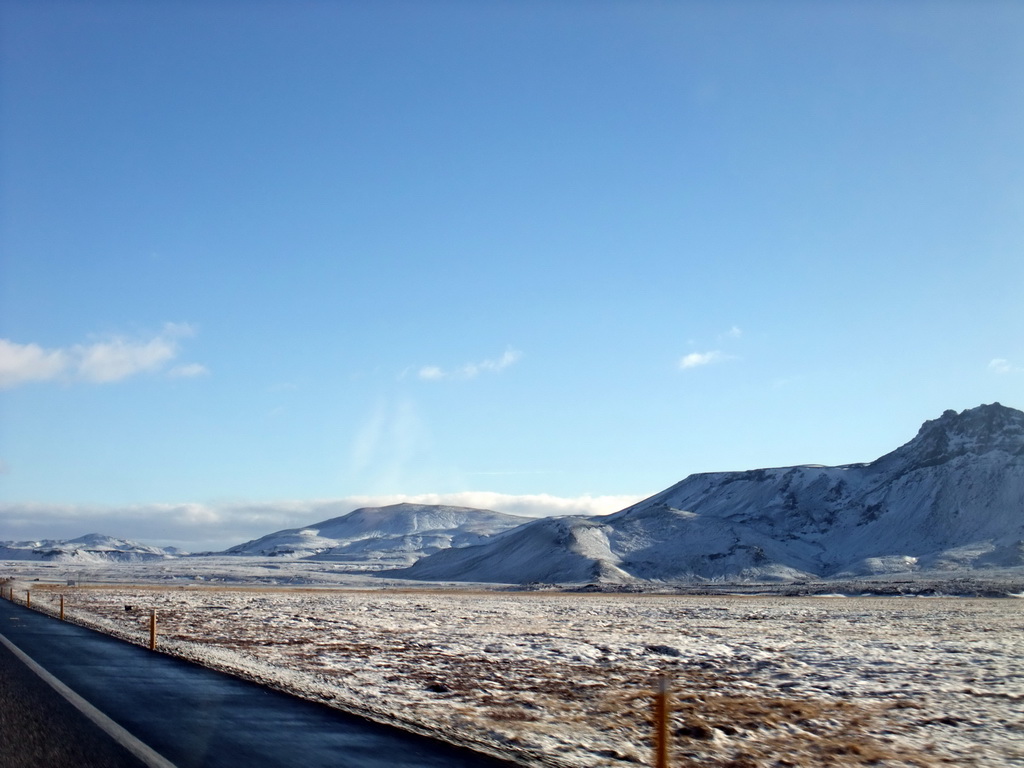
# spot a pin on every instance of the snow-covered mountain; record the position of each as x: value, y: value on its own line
x: 952, y: 498
x: 393, y: 536
x: 91, y: 548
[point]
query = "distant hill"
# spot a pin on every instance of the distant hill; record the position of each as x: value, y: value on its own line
x: 389, y: 536
x: 950, y: 499
x: 91, y: 548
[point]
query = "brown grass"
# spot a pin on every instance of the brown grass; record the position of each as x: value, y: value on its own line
x: 713, y: 726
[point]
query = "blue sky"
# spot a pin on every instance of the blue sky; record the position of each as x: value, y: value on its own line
x: 263, y: 260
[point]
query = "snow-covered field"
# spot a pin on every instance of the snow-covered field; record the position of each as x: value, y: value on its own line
x: 566, y: 679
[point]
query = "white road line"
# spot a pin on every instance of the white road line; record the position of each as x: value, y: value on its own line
x: 145, y: 753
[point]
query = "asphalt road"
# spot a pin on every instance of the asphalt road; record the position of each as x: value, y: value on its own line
x: 39, y: 728
x: 192, y: 716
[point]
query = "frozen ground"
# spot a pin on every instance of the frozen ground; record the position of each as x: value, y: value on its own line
x: 565, y: 679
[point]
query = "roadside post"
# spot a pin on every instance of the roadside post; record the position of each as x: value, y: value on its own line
x: 661, y: 705
x: 152, y: 629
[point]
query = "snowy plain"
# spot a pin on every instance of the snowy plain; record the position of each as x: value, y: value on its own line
x: 557, y: 679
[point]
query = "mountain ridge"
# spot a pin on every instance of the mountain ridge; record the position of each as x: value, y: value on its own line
x: 398, y: 534
x: 951, y: 498
x: 90, y: 548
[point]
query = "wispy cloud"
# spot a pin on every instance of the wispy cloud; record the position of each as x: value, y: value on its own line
x: 701, y: 359
x: 188, y: 371
x: 393, y: 442
x: 101, y: 361
x: 471, y: 370
x: 208, y: 527
x: 431, y: 373
x: 784, y: 382
x: 1003, y: 366
x: 698, y: 359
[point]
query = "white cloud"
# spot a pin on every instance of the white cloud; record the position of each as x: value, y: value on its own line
x: 100, y: 362
x: 528, y: 505
x: 698, y: 359
x: 701, y: 359
x: 117, y: 359
x: 471, y: 370
x: 22, y: 363
x: 214, y: 527
x: 1002, y: 366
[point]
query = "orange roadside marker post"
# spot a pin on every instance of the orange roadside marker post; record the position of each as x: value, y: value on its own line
x: 661, y: 723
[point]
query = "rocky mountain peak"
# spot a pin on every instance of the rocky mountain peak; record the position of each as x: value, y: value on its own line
x: 975, y: 432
